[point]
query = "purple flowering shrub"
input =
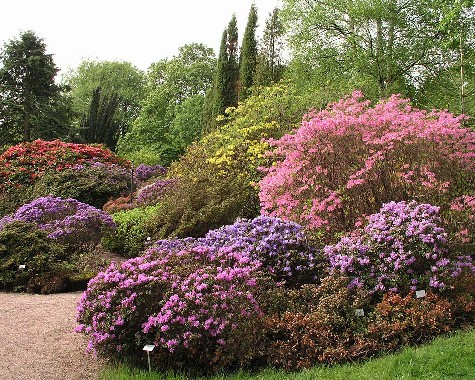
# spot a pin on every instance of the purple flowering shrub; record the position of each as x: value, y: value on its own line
x: 74, y: 224
x: 144, y: 172
x: 194, y: 302
x: 150, y: 194
x: 281, y: 246
x: 402, y: 248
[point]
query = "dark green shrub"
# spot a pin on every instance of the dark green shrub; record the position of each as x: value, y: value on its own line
x: 92, y: 184
x: 24, y: 244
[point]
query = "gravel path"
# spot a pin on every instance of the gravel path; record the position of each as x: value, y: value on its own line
x: 37, y: 341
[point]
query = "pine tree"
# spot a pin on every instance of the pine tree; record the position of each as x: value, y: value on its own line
x: 248, y: 57
x: 219, y: 97
x: 27, y: 86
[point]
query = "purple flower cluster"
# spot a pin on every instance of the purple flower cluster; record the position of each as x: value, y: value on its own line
x: 402, y: 248
x: 281, y: 246
x: 144, y: 172
x: 69, y: 221
x: 181, y: 296
x: 151, y: 194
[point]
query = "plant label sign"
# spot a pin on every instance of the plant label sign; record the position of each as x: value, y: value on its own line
x: 22, y: 267
x: 359, y: 312
x: 420, y: 293
x: 148, y: 347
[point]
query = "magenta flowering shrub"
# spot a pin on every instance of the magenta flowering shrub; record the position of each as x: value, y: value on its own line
x: 401, y: 249
x: 346, y: 161
x: 194, y: 302
x: 72, y: 223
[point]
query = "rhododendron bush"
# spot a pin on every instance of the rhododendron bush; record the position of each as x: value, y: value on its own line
x: 22, y: 164
x: 72, y: 223
x: 402, y: 248
x: 346, y: 161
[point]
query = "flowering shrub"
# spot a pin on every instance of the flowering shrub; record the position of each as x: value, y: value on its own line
x: 22, y: 164
x: 152, y: 193
x: 280, y: 246
x: 460, y: 223
x: 144, y: 172
x: 402, y: 248
x: 72, y: 223
x: 194, y: 302
x: 346, y: 161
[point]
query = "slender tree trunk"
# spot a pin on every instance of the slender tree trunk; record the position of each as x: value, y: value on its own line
x: 462, y: 81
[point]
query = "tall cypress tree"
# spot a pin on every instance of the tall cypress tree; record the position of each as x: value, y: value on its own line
x: 221, y: 78
x: 233, y: 64
x: 248, y: 57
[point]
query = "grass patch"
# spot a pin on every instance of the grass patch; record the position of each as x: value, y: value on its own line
x: 445, y: 358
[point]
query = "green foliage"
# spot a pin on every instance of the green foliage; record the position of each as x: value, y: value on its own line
x: 269, y: 65
x: 93, y: 185
x: 216, y: 175
x: 248, y: 57
x: 175, y: 89
x: 24, y: 244
x: 100, y: 124
x: 381, y: 47
x: 113, y: 77
x: 130, y: 236
x: 31, y: 103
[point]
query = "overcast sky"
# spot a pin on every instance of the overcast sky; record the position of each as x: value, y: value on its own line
x: 138, y: 31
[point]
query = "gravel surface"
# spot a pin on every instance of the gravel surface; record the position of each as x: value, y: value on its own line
x: 37, y: 341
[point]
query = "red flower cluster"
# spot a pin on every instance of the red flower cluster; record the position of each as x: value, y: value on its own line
x: 22, y: 164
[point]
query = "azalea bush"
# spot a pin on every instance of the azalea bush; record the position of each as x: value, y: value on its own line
x: 73, y: 224
x: 194, y: 302
x: 402, y: 248
x: 152, y: 193
x: 344, y: 162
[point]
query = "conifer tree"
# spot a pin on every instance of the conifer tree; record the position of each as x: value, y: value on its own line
x: 219, y: 97
x: 248, y: 57
x: 232, y: 68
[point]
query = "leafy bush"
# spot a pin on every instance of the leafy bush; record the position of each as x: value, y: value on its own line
x: 194, y: 302
x: 401, y: 249
x: 216, y: 176
x: 130, y: 236
x: 93, y: 184
x: 144, y: 172
x: 23, y: 243
x: 150, y: 194
x: 346, y: 161
x: 76, y: 225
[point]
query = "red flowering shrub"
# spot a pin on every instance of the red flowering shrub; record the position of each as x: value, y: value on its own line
x: 22, y: 164
x: 346, y: 161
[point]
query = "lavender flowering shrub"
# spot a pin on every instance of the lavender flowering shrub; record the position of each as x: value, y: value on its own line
x: 281, y: 246
x: 152, y: 193
x: 402, y: 248
x: 194, y: 302
x: 75, y: 224
x: 144, y: 172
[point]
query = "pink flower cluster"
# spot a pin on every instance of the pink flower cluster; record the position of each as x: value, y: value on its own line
x: 349, y: 159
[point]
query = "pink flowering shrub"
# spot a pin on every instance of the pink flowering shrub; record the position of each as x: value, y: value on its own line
x: 401, y: 249
x: 346, y: 161
x: 196, y: 303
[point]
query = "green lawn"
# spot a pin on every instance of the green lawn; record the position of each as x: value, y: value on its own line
x: 444, y: 359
